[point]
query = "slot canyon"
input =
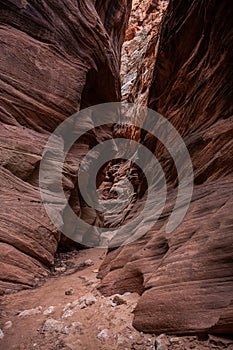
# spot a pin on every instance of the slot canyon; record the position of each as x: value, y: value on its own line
x: 162, y: 290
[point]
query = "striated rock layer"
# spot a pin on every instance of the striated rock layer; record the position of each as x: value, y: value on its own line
x: 60, y: 56
x: 56, y: 57
x: 185, y: 277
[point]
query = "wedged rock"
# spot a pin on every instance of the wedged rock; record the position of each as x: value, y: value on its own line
x: 140, y: 49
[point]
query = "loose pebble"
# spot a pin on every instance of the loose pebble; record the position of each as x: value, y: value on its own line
x: 30, y: 312
x: 67, y: 306
x: 117, y: 299
x: 161, y: 342
x: 67, y: 313
x: 109, y: 302
x: 8, y: 324
x: 60, y: 269
x: 75, y: 327
x: 49, y: 310
x: 103, y: 334
x: 86, y: 300
x: 120, y: 341
x: 89, y: 262
x: 69, y: 291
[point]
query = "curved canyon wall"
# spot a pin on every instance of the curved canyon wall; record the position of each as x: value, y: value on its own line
x: 185, y: 278
x: 60, y: 57
x: 56, y: 57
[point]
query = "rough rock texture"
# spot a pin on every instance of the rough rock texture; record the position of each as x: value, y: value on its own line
x: 140, y: 49
x: 185, y: 278
x: 56, y: 57
x: 60, y: 56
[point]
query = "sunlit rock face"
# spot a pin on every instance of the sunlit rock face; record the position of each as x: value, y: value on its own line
x: 56, y: 57
x: 140, y: 49
x: 185, y: 277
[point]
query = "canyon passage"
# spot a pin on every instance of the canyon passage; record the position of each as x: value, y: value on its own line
x: 163, y: 290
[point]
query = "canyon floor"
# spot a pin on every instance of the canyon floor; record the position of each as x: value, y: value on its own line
x: 68, y: 312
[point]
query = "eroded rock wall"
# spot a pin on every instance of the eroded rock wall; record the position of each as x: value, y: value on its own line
x: 56, y: 57
x: 185, y: 277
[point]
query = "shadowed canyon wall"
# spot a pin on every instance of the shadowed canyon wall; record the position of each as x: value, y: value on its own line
x: 56, y: 57
x: 185, y: 277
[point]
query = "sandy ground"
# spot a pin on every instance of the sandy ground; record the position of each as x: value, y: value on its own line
x: 70, y: 325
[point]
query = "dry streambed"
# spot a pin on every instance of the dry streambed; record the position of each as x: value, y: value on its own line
x: 68, y: 312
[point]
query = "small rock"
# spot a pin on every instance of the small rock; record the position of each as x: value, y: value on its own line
x: 120, y: 341
x: 175, y: 340
x: 49, y: 310
x: 67, y: 313
x: 67, y: 306
x: 9, y: 291
x: 126, y: 294
x: 74, y: 303
x: 96, y: 271
x: 30, y: 312
x: 109, y: 302
x: 1, y: 334
x: 136, y: 346
x: 86, y: 300
x: 89, y: 262
x: 75, y: 327
x: 51, y: 325
x: 72, y: 328
x: 60, y: 269
x: 8, y: 324
x: 65, y: 330
x: 69, y: 291
x: 83, y: 305
x: 161, y: 342
x: 118, y: 300
x: 103, y: 334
